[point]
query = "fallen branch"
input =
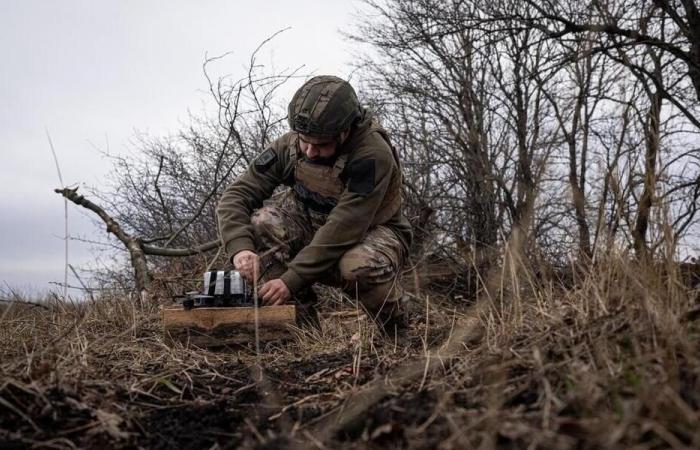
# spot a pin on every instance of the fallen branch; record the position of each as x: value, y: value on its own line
x: 136, y: 248
x: 132, y: 244
x: 351, y: 413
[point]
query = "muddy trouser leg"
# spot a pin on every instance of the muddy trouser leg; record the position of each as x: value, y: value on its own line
x: 281, y: 229
x: 370, y: 272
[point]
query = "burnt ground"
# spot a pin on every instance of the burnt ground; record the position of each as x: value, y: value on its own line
x: 138, y: 393
x: 227, y: 412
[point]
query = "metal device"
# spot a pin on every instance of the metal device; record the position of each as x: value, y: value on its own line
x: 221, y: 289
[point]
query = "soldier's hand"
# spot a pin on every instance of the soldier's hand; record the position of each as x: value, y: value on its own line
x: 247, y: 263
x: 274, y: 292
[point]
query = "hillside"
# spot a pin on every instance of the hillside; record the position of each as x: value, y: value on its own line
x: 607, y: 360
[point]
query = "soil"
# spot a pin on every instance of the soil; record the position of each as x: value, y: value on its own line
x: 528, y: 393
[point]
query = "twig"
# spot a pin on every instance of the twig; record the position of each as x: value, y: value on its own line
x: 12, y: 408
x: 204, y: 202
x: 79, y: 288
x: 18, y: 299
x: 26, y: 302
x: 65, y: 214
x: 175, y: 252
x: 160, y: 195
x: 87, y: 289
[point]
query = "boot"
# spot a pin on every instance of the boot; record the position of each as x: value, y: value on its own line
x: 393, y: 319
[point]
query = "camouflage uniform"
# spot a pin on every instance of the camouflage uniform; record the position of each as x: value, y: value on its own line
x: 367, y: 271
x: 339, y: 223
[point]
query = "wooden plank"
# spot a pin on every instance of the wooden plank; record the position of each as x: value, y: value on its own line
x: 207, y: 327
x: 211, y: 318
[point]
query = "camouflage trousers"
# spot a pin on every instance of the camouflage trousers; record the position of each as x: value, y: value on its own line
x: 367, y: 272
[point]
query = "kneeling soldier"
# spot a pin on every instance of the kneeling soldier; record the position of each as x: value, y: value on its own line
x: 339, y: 223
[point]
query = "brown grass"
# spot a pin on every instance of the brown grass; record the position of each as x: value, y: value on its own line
x: 612, y: 360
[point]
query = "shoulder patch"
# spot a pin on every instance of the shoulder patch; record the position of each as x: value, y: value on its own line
x: 265, y: 160
x: 362, y: 177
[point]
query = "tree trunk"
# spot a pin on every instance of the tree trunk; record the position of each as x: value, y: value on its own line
x: 645, y: 202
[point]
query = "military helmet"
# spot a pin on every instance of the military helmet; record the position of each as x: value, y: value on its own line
x: 324, y: 106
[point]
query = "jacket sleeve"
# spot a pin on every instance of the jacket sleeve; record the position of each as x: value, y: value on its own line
x: 348, y: 222
x: 269, y: 169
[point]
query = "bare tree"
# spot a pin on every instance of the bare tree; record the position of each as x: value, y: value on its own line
x: 506, y: 106
x: 163, y: 197
x: 467, y: 108
x: 669, y: 26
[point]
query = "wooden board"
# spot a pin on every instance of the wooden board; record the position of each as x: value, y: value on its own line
x: 207, y: 327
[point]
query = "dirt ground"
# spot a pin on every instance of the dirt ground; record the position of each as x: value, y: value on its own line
x: 90, y: 389
x: 613, y: 363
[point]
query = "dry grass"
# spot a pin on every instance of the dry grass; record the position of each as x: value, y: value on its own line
x: 610, y: 361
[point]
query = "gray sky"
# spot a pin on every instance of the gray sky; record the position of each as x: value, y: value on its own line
x: 94, y: 72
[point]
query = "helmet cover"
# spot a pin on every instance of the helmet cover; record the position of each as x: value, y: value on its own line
x: 324, y: 106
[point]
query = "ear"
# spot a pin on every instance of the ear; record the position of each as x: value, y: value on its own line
x: 343, y: 136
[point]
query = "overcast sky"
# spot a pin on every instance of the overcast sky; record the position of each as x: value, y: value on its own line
x: 93, y: 73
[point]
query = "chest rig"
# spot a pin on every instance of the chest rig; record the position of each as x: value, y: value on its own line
x: 319, y: 187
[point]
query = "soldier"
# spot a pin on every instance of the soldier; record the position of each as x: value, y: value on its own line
x: 339, y: 223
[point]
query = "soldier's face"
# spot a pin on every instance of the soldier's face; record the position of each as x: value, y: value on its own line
x: 316, y: 148
x: 320, y: 149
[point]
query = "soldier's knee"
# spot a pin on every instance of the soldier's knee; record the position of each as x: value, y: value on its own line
x: 365, y: 269
x: 350, y: 265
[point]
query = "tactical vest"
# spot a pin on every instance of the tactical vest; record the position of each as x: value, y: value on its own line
x: 319, y: 187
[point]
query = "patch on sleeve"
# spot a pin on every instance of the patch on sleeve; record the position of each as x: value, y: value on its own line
x: 362, y: 177
x: 265, y: 160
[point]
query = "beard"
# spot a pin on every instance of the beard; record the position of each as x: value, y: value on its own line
x: 329, y: 161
